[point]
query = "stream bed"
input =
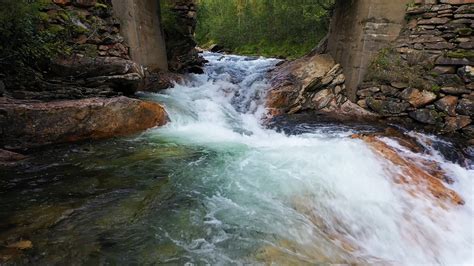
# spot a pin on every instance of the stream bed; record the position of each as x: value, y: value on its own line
x: 217, y: 187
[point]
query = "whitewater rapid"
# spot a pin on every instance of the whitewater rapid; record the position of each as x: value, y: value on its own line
x: 316, y: 197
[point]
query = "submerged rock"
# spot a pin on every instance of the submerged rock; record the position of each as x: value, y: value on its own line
x: 418, y: 177
x: 31, y: 124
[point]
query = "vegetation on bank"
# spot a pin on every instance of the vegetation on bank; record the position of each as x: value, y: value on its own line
x: 388, y: 67
x: 274, y: 28
x: 23, y: 37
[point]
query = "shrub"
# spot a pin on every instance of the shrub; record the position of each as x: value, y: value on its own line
x: 23, y: 39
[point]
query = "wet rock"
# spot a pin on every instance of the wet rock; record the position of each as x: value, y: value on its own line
x: 447, y: 104
x: 8, y: 158
x: 301, y: 83
x: 418, y: 98
x: 216, y: 48
x: 455, y: 123
x: 465, y: 107
x: 387, y: 107
x: 31, y: 124
x: 469, y: 131
x: 414, y: 175
x: 425, y: 116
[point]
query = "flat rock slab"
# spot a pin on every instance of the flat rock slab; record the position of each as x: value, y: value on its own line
x: 32, y: 124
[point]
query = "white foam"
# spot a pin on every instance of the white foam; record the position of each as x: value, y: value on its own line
x: 340, y: 179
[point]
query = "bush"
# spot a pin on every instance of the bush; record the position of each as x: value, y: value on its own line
x: 23, y: 40
x: 266, y: 27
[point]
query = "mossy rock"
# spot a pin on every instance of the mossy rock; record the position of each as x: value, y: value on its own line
x: 461, y: 54
x: 464, y: 31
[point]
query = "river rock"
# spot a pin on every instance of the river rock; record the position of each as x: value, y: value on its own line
x: 455, y: 123
x: 387, y: 107
x: 447, y: 104
x: 294, y: 82
x: 466, y: 107
x: 425, y: 116
x: 8, y: 158
x: 418, y: 98
x: 32, y: 124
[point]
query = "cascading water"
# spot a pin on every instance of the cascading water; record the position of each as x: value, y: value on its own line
x: 214, y: 186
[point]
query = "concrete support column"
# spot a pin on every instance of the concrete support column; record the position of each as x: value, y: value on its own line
x: 359, y: 29
x: 141, y: 28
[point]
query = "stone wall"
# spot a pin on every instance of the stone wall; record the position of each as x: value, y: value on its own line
x: 427, y: 75
x: 180, y: 19
x: 141, y: 27
x: 97, y: 62
x: 359, y: 29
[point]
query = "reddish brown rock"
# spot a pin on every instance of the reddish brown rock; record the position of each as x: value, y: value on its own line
x: 418, y: 98
x: 416, y: 180
x: 448, y: 104
x: 457, y: 123
x: 26, y: 125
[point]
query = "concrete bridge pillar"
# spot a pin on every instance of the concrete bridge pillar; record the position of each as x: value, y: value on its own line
x: 141, y: 28
x: 359, y: 29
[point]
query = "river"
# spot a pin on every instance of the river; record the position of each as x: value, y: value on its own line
x: 216, y: 186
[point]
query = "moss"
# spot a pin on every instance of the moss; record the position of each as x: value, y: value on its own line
x: 88, y: 49
x: 464, y: 31
x: 435, y: 88
x: 100, y: 5
x: 388, y: 67
x: 460, y: 54
x: 55, y: 29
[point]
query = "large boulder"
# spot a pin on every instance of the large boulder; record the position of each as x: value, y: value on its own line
x: 122, y: 75
x: 32, y: 124
x: 314, y: 82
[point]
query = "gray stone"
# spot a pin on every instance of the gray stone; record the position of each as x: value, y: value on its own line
x: 444, y: 70
x: 399, y: 85
x: 433, y: 21
x: 387, y: 107
x: 455, y: 90
x: 321, y: 99
x: 425, y: 116
x: 448, y: 61
x: 465, y: 107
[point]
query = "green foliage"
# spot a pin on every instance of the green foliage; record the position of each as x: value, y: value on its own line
x: 280, y: 28
x: 21, y: 40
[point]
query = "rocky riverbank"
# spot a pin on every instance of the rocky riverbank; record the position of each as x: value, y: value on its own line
x: 423, y: 80
x: 80, y: 94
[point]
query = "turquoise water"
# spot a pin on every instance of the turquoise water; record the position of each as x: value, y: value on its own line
x: 216, y: 187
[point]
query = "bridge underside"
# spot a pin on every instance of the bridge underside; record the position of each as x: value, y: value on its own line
x: 359, y: 29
